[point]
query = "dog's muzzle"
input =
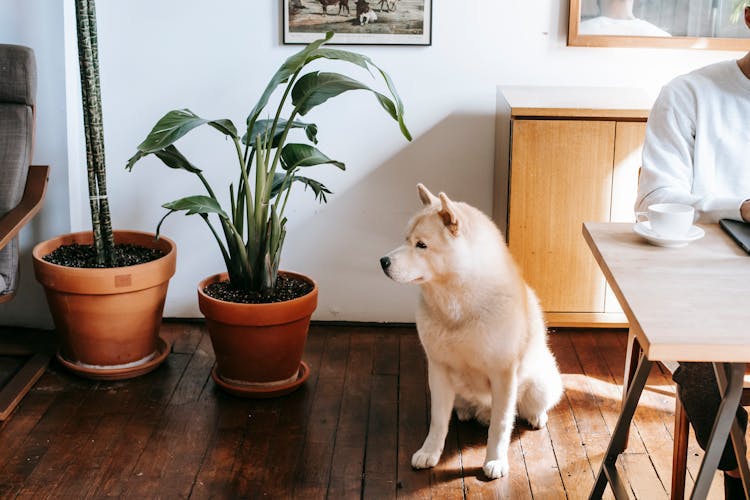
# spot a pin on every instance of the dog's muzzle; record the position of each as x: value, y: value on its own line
x: 385, y: 263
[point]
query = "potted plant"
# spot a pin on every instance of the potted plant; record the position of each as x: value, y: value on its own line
x: 105, y: 288
x: 258, y: 316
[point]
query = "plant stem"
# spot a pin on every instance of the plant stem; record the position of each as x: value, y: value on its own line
x: 218, y: 240
x: 88, y: 55
x: 281, y: 141
x: 278, y: 113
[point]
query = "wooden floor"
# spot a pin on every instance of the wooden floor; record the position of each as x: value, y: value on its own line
x: 349, y: 432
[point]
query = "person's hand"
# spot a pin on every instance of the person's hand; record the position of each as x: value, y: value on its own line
x: 745, y: 210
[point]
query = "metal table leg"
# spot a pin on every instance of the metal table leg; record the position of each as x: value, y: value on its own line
x: 607, y: 471
x: 733, y: 374
x: 736, y: 433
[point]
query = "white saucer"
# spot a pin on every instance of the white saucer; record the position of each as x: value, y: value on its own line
x: 644, y: 229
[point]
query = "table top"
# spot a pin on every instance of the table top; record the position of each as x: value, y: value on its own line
x: 684, y: 304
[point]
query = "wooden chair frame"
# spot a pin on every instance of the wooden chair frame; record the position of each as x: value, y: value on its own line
x: 10, y: 225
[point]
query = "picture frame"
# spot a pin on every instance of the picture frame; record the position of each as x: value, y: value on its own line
x: 358, y: 22
x: 583, y: 10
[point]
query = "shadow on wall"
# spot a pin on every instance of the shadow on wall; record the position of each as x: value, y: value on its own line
x: 361, y: 224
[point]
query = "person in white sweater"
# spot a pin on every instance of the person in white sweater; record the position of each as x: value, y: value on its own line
x: 697, y: 147
x: 697, y: 151
x: 617, y: 19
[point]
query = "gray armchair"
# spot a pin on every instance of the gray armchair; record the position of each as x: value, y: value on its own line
x: 22, y: 190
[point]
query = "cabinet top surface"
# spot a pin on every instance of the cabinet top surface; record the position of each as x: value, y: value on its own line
x: 594, y: 102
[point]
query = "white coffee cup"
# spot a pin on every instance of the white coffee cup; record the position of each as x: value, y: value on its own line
x: 669, y: 220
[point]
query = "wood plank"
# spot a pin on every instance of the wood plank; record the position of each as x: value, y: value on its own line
x: 648, y: 486
x: 314, y: 467
x: 412, y: 417
x: 173, y: 454
x: 576, y: 471
x: 270, y: 452
x: 347, y: 464
x: 109, y: 409
x: 21, y: 383
x: 541, y: 463
x: 45, y: 434
x: 582, y: 397
x: 214, y: 477
x: 267, y: 420
x: 473, y: 441
x: 15, y: 432
x: 381, y: 455
x: 121, y: 466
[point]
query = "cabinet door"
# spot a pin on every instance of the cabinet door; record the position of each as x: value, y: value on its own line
x: 628, y: 150
x: 561, y: 176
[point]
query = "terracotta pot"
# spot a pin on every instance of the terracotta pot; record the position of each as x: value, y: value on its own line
x: 258, y: 344
x: 107, y: 317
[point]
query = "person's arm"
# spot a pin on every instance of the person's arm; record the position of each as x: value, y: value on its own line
x: 667, y: 171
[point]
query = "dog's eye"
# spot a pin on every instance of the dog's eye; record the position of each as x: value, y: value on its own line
x: 420, y: 244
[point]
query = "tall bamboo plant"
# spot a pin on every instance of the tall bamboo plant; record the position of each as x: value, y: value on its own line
x: 88, y: 57
x: 253, y: 228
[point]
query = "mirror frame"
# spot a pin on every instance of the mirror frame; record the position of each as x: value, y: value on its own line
x: 676, y: 42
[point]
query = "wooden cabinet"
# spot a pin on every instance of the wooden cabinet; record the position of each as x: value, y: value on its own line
x: 565, y: 156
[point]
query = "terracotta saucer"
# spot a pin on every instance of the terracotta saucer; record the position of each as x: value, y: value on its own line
x: 162, y: 351
x: 262, y: 392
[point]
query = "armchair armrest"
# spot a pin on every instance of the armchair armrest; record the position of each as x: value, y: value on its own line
x: 33, y: 195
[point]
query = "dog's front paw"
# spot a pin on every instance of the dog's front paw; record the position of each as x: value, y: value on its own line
x: 425, y: 459
x: 538, y: 421
x: 494, y: 469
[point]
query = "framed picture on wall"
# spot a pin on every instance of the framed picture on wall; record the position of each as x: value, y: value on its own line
x: 359, y: 22
x: 694, y: 24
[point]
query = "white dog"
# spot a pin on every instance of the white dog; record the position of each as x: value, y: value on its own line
x: 368, y: 17
x: 480, y: 325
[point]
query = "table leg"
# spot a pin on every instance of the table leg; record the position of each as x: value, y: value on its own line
x: 632, y: 355
x: 738, y: 437
x: 607, y: 471
x: 734, y: 373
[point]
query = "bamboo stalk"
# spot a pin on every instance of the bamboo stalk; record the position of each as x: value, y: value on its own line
x: 88, y: 55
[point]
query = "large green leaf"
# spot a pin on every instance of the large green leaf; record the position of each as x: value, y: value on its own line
x: 278, y: 181
x: 316, y: 88
x: 290, y: 67
x: 397, y: 99
x: 365, y: 62
x: 192, y: 205
x: 342, y: 55
x: 134, y: 159
x: 319, y: 190
x: 263, y: 127
x: 225, y: 126
x: 175, y: 125
x: 172, y: 158
x: 197, y: 205
x: 304, y: 155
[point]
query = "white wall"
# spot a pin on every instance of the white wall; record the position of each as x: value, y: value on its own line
x: 216, y: 57
x: 39, y: 25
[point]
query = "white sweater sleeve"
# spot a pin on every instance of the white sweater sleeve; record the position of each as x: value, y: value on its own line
x: 667, y: 171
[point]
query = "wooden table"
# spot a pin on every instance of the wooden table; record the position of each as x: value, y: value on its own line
x: 682, y: 304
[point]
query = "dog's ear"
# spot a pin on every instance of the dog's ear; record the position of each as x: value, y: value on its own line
x: 426, y: 197
x: 448, y: 214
